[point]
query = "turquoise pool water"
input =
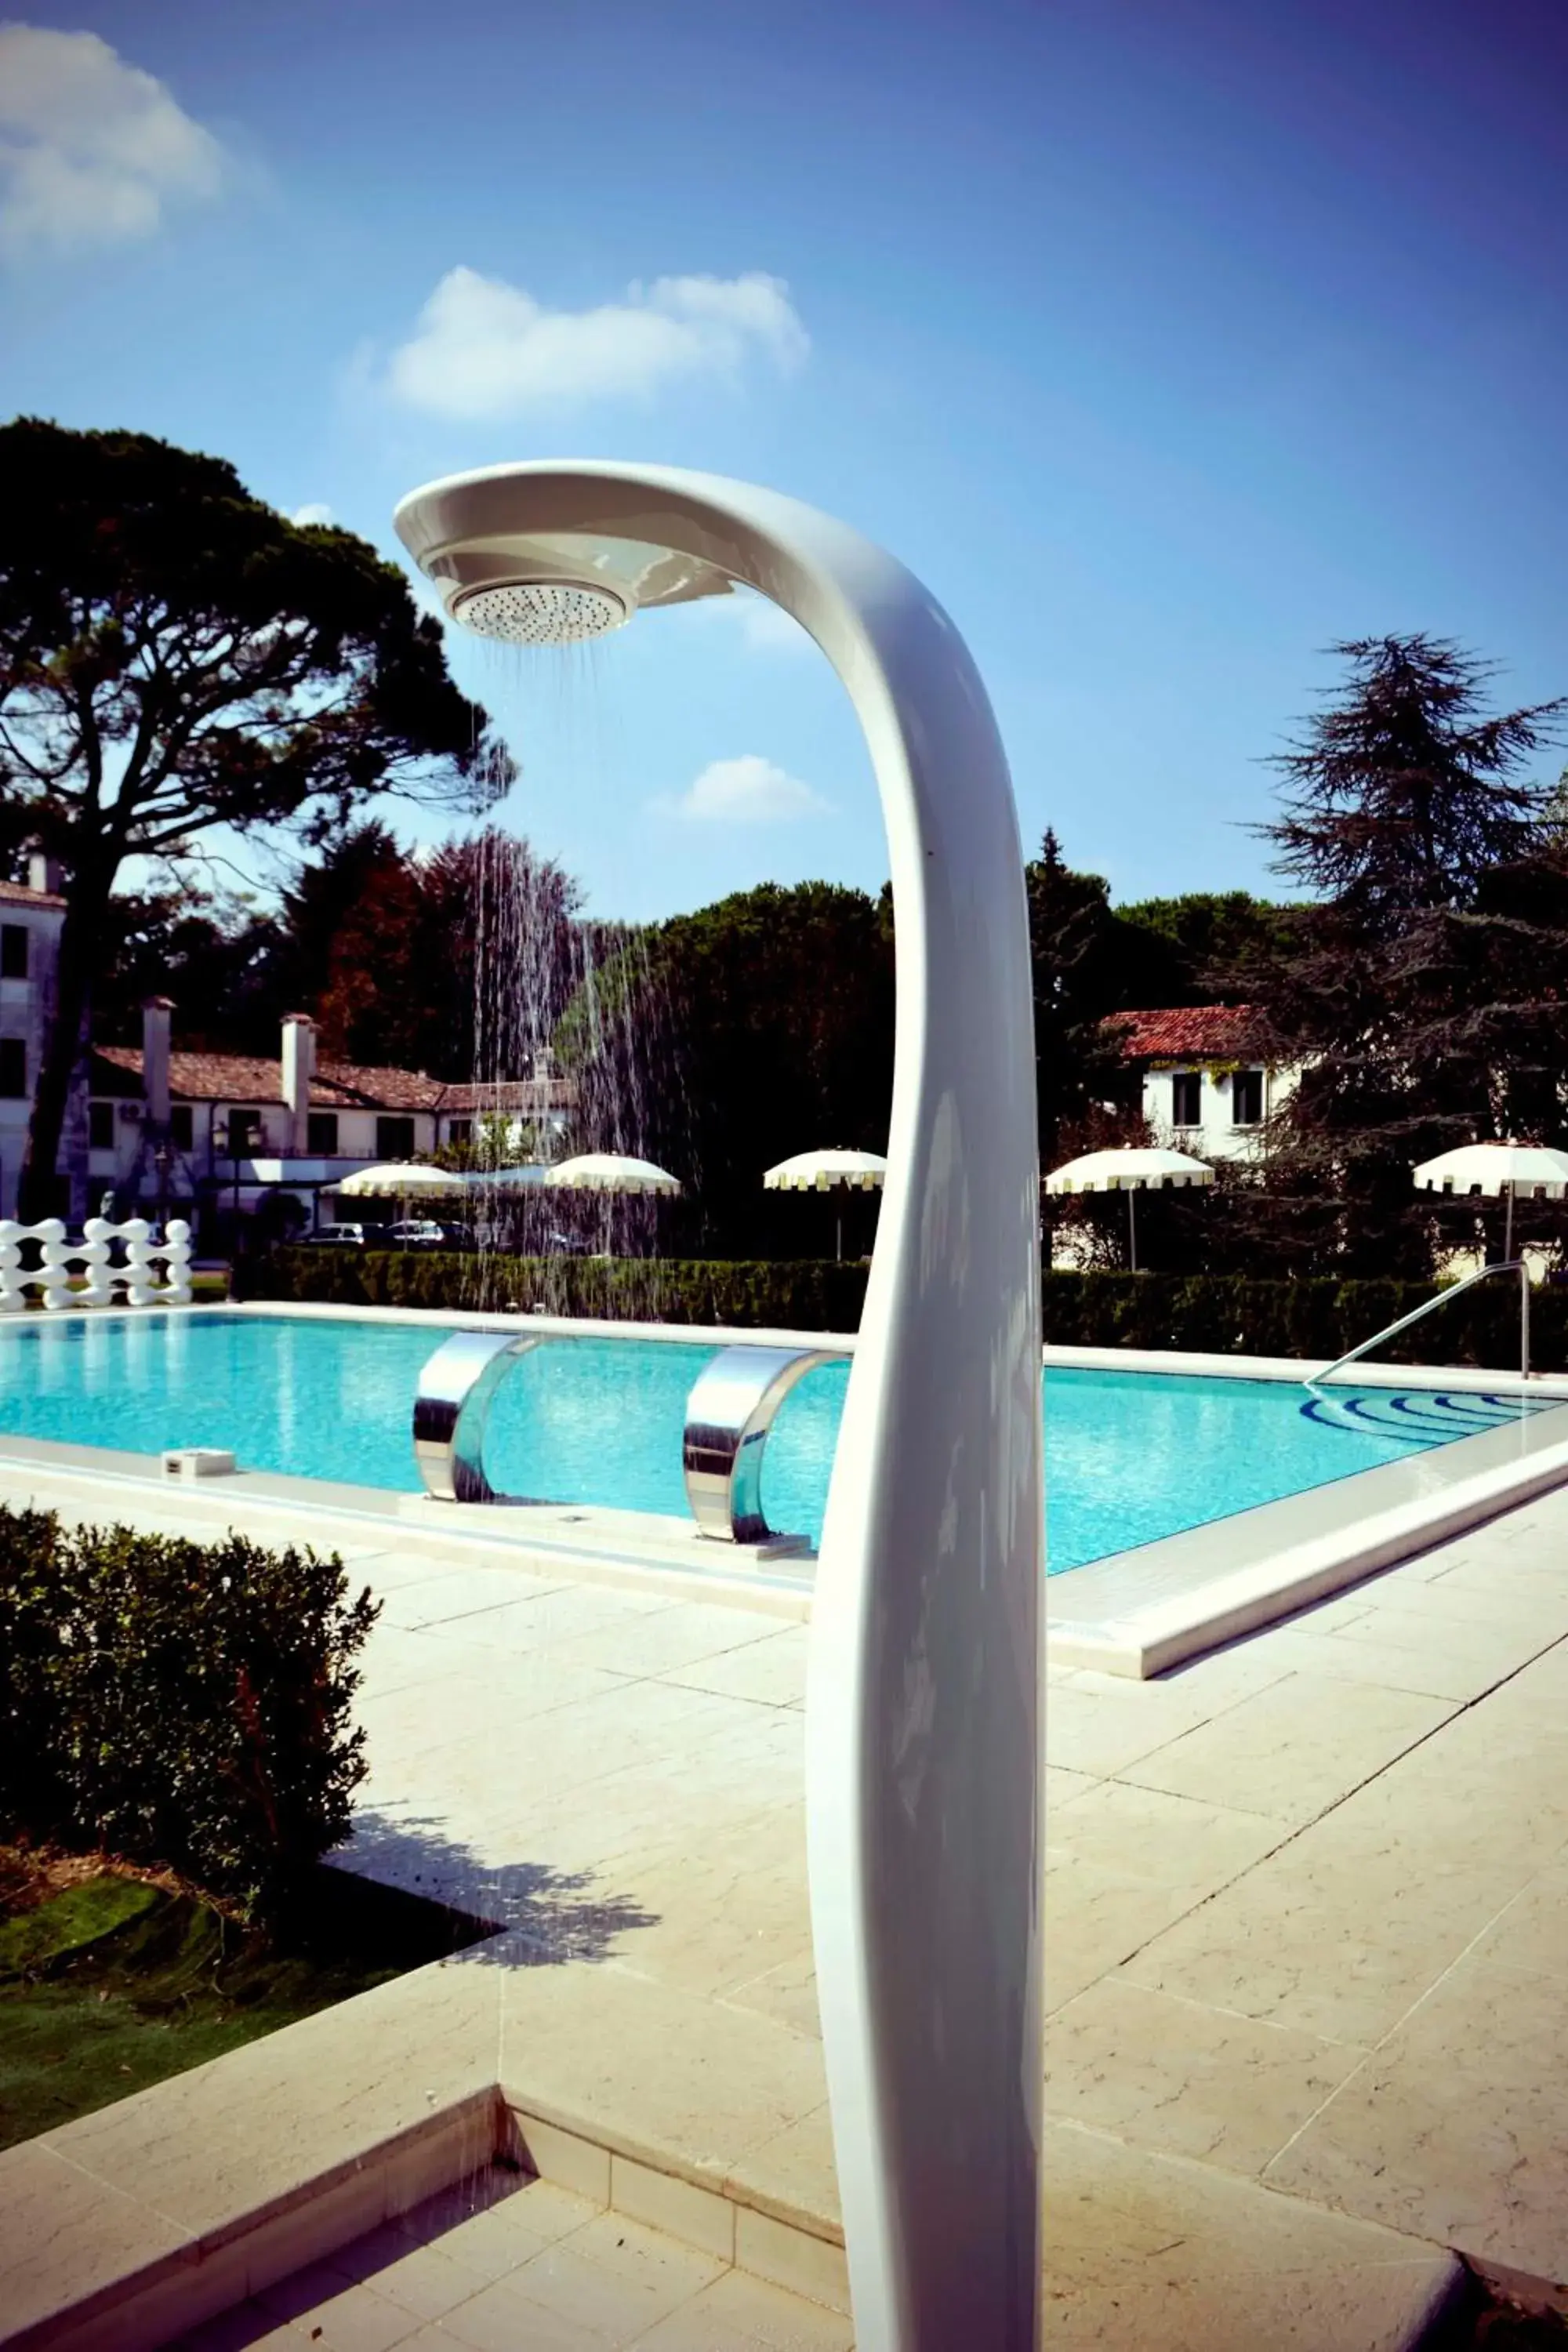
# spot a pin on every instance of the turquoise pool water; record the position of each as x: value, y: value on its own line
x: 1129, y: 1456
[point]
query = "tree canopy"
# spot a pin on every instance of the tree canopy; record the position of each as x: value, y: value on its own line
x: 1075, y: 976
x: 217, y: 956
x: 722, y: 1040
x: 175, y: 656
x: 1425, y: 987
x: 1193, y: 950
x: 459, y: 960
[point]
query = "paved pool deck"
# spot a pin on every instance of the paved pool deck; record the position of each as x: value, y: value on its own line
x: 1306, y: 1963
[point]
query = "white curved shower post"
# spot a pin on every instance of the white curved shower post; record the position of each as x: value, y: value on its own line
x: 924, y: 1812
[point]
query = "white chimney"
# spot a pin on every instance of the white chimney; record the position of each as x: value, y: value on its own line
x: 298, y: 1069
x: 44, y: 872
x: 156, y: 1014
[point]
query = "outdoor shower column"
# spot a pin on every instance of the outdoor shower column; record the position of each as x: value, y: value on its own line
x: 923, y: 1715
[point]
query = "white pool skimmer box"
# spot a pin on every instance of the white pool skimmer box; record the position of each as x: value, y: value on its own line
x: 198, y: 1461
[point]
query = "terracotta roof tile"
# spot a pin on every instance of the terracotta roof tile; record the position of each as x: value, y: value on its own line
x: 250, y: 1078
x: 336, y: 1086
x: 348, y: 1085
x: 1200, y: 1030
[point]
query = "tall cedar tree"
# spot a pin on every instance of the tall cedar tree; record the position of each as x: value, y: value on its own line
x: 176, y: 656
x: 1425, y: 992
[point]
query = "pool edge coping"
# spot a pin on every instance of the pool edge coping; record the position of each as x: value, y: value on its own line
x: 1177, y: 1628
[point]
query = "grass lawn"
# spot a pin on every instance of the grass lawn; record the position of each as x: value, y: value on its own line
x: 109, y: 1982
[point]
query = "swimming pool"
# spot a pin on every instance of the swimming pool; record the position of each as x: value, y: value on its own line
x: 1131, y: 1456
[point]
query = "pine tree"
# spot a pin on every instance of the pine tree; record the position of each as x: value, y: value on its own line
x: 1425, y: 990
x: 176, y: 659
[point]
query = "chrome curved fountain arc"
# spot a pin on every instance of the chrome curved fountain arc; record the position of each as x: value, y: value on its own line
x: 728, y: 1417
x: 924, y: 1812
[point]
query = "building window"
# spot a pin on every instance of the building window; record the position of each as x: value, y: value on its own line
x: 1246, y: 1098
x: 243, y: 1132
x: 459, y: 1130
x: 100, y: 1127
x: 13, y: 951
x: 321, y: 1133
x: 181, y: 1126
x: 395, y: 1139
x: 12, y: 1068
x: 1186, y: 1089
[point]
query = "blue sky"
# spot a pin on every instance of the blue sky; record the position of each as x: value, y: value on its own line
x: 1167, y: 341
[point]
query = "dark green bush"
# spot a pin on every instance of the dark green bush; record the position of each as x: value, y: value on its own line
x: 804, y: 1295
x: 177, y: 1703
x: 1218, y: 1314
x: 1234, y: 1314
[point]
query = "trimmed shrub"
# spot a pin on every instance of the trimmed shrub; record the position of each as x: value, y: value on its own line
x: 797, y: 1295
x: 1232, y: 1315
x: 1218, y: 1314
x: 179, y: 1704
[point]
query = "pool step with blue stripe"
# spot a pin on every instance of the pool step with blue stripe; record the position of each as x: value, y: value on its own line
x: 1419, y: 1416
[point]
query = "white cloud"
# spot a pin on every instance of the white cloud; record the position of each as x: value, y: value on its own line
x: 91, y: 149
x: 312, y: 513
x: 484, y: 349
x: 746, y: 790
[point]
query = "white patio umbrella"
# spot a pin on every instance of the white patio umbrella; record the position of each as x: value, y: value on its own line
x: 394, y: 1179
x: 1531, y: 1171
x: 1129, y: 1168
x: 828, y: 1171
x: 609, y: 1172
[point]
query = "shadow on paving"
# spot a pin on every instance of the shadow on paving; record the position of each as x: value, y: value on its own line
x: 548, y: 1916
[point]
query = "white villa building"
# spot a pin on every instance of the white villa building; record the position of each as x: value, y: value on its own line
x: 31, y: 917
x: 155, y: 1130
x: 1204, y: 1091
x: 251, y: 1136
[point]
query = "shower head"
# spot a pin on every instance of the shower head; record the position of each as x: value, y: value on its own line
x: 520, y: 553
x: 540, y: 612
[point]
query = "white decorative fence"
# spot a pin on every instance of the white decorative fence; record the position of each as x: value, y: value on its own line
x: 59, y: 1259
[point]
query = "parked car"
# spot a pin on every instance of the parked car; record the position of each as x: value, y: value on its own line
x: 340, y: 1237
x: 414, y: 1233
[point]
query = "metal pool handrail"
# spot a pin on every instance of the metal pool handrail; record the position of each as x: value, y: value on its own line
x: 1504, y: 1265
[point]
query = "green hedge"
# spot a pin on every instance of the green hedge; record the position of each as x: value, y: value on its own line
x: 1223, y: 1314
x: 804, y: 1295
x: 1232, y: 1315
x: 177, y: 1703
